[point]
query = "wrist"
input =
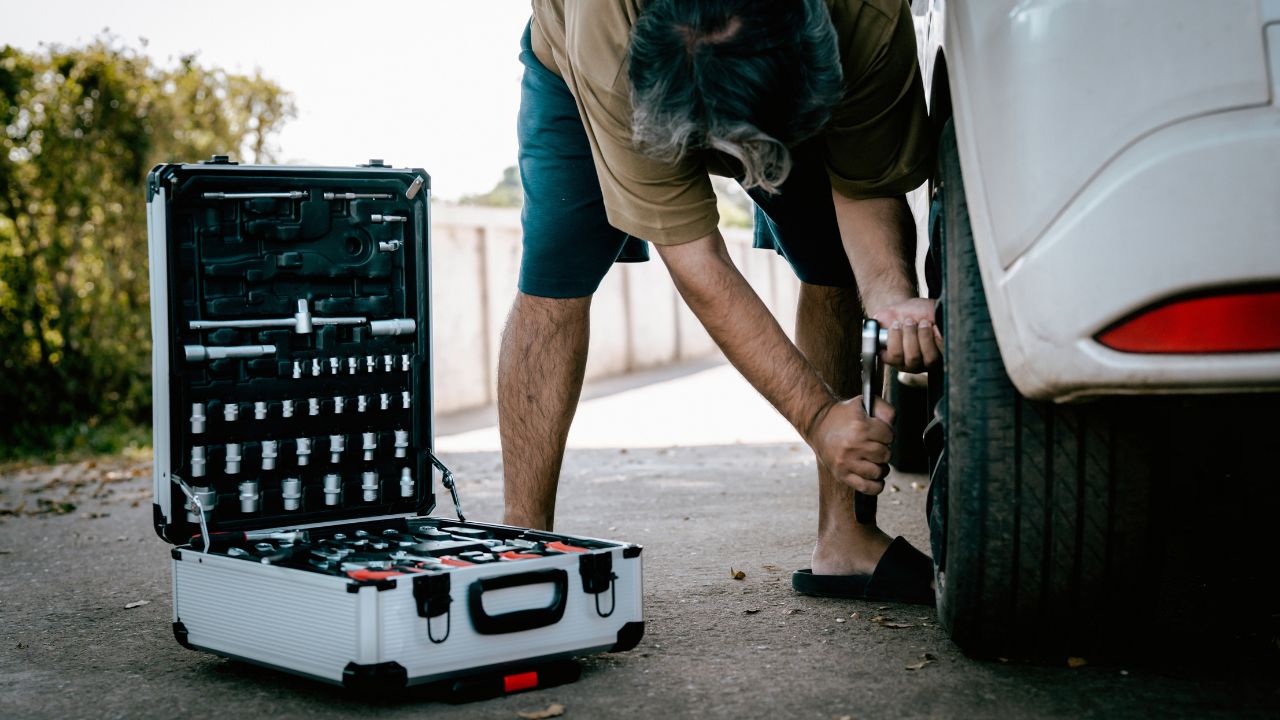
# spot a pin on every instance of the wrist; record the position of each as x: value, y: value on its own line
x: 810, y: 429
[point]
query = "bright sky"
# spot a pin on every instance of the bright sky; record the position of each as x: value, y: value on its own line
x: 427, y: 83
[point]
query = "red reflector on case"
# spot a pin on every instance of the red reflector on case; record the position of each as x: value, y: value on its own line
x: 1240, y: 322
x: 519, y: 681
x: 561, y: 547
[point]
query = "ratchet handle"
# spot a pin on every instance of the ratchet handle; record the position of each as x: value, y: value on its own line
x: 864, y: 506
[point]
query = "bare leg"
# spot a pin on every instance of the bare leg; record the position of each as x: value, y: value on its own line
x: 827, y: 332
x: 540, y: 369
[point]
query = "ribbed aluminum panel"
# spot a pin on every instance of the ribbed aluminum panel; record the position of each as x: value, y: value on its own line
x: 271, y: 615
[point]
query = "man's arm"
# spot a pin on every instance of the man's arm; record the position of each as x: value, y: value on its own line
x: 854, y: 447
x: 879, y: 238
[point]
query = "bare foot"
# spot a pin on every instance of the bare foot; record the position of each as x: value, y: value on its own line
x: 852, y: 551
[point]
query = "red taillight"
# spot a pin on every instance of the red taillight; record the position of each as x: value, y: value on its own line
x: 519, y: 681
x: 1234, y: 323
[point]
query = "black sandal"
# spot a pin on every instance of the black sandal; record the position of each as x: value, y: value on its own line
x: 904, y: 574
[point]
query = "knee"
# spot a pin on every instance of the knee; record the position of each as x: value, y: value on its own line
x: 536, y: 311
x: 840, y: 301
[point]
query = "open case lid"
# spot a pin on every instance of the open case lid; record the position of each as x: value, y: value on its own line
x: 291, y: 351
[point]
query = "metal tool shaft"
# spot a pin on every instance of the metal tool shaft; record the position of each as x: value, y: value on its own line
x: 290, y: 195
x: 873, y: 339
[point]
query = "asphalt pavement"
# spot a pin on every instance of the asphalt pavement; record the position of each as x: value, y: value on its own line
x: 85, y: 596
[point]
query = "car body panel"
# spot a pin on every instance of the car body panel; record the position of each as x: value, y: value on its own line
x: 1110, y: 165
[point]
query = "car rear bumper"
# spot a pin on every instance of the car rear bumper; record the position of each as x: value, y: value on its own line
x: 1189, y: 207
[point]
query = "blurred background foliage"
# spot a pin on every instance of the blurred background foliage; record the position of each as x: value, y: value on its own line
x: 82, y: 128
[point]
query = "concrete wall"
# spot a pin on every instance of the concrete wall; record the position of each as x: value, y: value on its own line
x: 638, y: 320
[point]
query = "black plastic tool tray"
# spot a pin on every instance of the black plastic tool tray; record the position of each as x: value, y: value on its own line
x: 242, y: 259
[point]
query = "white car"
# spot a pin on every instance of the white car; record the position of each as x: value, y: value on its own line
x: 1106, y: 219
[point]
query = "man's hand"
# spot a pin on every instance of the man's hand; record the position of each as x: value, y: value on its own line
x: 915, y: 344
x: 854, y: 447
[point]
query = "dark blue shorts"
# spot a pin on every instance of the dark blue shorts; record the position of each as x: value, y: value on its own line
x: 569, y: 244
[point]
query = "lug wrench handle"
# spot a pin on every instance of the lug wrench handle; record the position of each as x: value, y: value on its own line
x: 874, y: 339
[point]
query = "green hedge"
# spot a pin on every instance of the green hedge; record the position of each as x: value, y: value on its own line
x: 82, y: 127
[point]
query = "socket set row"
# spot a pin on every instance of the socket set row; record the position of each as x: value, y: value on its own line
x: 296, y: 493
x: 375, y: 553
x: 269, y: 451
x: 314, y: 406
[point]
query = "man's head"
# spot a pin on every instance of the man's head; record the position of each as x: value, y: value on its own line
x: 748, y: 78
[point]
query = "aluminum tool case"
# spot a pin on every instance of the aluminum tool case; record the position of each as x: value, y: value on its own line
x: 293, y: 392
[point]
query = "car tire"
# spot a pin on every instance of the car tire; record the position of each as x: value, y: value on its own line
x: 1046, y: 505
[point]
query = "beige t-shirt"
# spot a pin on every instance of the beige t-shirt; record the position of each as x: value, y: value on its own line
x: 878, y: 141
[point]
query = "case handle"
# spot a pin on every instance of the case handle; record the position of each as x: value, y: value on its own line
x: 487, y: 624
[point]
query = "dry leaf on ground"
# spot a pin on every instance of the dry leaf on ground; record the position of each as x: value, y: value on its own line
x: 553, y: 710
x: 793, y: 611
x: 925, y: 659
x: 1075, y: 662
x: 137, y: 604
x: 737, y: 574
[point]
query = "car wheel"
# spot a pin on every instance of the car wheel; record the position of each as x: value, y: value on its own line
x: 1046, y: 506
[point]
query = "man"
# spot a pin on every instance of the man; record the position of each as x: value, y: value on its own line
x: 817, y: 108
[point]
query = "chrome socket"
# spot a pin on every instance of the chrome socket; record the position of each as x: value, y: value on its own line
x: 337, y: 443
x: 233, y: 459
x: 339, y: 403
x: 304, y: 451
x: 197, y: 418
x: 353, y: 364
x: 406, y: 483
x: 404, y: 399
x: 402, y: 443
x: 370, y: 445
x: 315, y: 367
x: 291, y: 493
x: 197, y: 461
x: 313, y: 406
x: 286, y: 408
x: 205, y: 500
x: 384, y: 401
x: 259, y: 410
x: 249, y: 497
x: 230, y: 412
x: 332, y: 489
x: 362, y: 403
x: 269, y: 450
x: 369, y: 485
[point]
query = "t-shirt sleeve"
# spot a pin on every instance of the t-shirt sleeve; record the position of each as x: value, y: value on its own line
x: 879, y: 140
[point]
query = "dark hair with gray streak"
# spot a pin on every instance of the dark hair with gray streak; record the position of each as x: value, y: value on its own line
x: 748, y: 78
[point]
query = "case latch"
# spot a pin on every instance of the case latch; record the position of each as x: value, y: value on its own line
x: 219, y: 160
x: 431, y: 593
x: 597, y: 574
x: 375, y: 162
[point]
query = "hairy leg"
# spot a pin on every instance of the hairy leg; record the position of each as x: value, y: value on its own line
x: 828, y: 325
x: 540, y: 369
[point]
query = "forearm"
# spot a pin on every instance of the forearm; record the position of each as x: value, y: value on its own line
x: 879, y: 238
x: 746, y: 331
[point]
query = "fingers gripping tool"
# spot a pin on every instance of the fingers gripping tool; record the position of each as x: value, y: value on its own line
x: 874, y: 339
